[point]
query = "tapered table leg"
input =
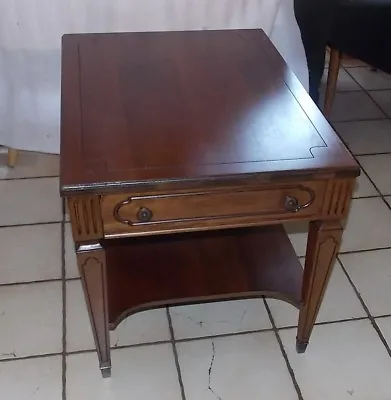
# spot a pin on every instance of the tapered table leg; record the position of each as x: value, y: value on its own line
x: 324, y: 240
x: 92, y: 265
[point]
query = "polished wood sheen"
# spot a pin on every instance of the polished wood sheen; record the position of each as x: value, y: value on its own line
x: 186, y: 105
x: 182, y: 153
x: 196, y: 267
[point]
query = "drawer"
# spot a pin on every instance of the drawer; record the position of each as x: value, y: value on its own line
x: 138, y: 214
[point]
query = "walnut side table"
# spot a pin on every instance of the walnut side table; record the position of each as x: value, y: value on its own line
x: 182, y: 154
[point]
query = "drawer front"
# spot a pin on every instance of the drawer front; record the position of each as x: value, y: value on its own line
x: 137, y: 214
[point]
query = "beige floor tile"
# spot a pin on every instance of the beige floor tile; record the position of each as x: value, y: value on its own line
x: 143, y: 327
x: 371, y: 274
x: 343, y: 361
x: 379, y: 170
x: 30, y: 253
x: 369, y: 79
x: 366, y: 137
x: 35, y: 379
x: 30, y: 319
x: 340, y: 302
x: 368, y: 226
x: 146, y: 372
x: 350, y: 106
x: 345, y: 82
x: 349, y: 62
x: 30, y: 201
x: 71, y: 268
x: 364, y: 213
x: 364, y: 187
x: 383, y: 99
x: 219, y: 318
x: 30, y: 165
x: 237, y: 367
x: 298, y: 234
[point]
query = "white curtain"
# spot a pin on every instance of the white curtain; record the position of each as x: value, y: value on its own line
x: 30, y: 37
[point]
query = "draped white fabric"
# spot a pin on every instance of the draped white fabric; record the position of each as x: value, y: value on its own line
x: 30, y: 38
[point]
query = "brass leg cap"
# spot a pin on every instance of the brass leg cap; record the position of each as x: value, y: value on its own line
x: 301, y: 347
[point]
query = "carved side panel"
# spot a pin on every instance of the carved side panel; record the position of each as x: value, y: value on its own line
x: 338, y: 197
x: 86, y: 218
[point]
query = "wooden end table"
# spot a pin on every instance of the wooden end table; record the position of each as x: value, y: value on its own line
x: 169, y: 139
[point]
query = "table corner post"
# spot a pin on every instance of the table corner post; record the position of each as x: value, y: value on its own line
x: 87, y: 230
x: 324, y: 239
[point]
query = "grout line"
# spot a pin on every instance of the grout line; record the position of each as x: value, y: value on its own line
x: 365, y: 92
x: 128, y: 346
x: 384, y: 153
x: 31, y: 357
x: 369, y: 178
x: 174, y: 349
x: 159, y: 342
x: 201, y: 338
x: 30, y: 177
x: 64, y: 319
x: 31, y: 282
x: 362, y: 88
x: 382, y: 196
x: 364, y: 250
x: 337, y: 321
x: 377, y: 104
x: 367, y: 197
x: 120, y: 347
x: 288, y: 365
x: 382, y: 316
x: 39, y: 281
x: 355, y: 66
x: 31, y: 224
x: 365, y: 307
x: 75, y: 278
x: 368, y: 120
x: 349, y: 90
x: 223, y: 335
x: 355, y: 80
x: 359, y: 120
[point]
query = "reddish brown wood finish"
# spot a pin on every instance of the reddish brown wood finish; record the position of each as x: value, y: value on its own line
x: 166, y: 212
x: 174, y: 106
x: 324, y: 239
x: 163, y: 134
x: 195, y: 267
x: 93, y: 271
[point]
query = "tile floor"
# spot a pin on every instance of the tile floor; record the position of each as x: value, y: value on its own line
x: 230, y: 350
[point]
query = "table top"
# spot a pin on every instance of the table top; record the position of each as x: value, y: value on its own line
x: 147, y: 108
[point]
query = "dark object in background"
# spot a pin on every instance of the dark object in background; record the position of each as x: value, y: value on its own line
x: 359, y: 28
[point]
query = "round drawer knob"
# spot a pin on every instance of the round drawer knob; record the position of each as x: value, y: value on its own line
x: 292, y: 204
x: 144, y: 214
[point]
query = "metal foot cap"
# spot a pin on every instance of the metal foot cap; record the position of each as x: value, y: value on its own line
x: 301, y: 347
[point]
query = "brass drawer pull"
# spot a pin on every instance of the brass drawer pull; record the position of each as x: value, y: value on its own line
x: 292, y: 203
x: 144, y: 214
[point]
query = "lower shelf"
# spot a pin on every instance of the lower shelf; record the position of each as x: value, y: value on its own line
x: 197, y: 267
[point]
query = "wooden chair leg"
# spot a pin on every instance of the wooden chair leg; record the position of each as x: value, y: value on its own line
x: 12, y: 157
x: 332, y: 78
